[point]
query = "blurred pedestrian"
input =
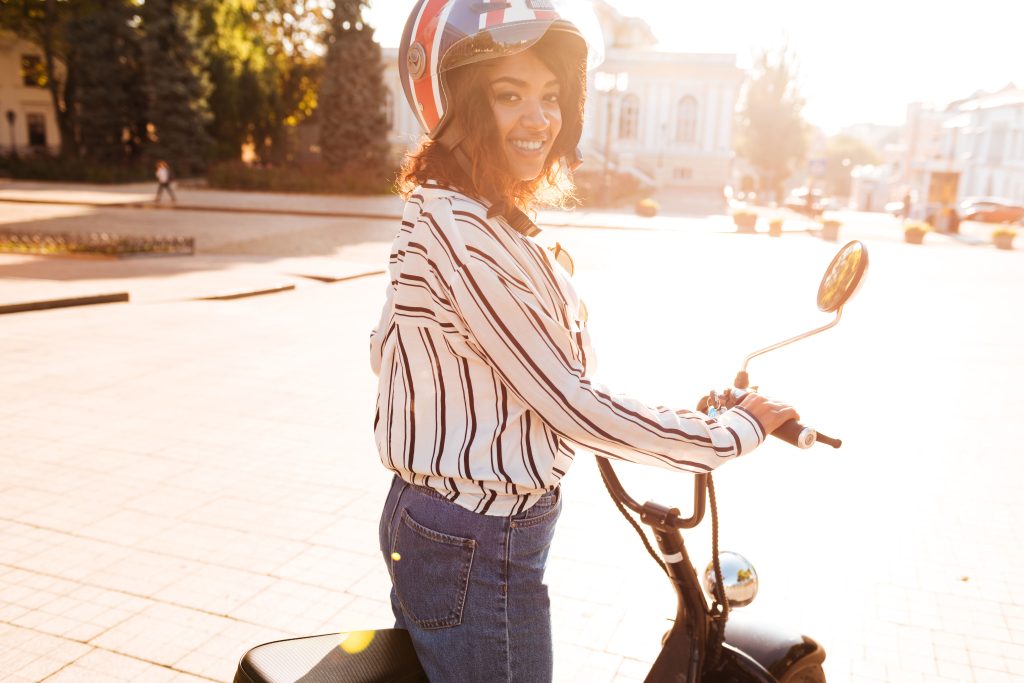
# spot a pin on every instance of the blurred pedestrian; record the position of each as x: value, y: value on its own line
x: 163, y: 178
x: 906, y: 205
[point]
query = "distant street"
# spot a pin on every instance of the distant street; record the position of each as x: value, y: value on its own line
x: 185, y: 479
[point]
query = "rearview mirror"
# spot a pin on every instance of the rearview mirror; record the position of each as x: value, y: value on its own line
x: 843, y: 277
x: 738, y: 579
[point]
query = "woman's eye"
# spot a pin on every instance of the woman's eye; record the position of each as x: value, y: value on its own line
x: 507, y: 97
x: 553, y: 97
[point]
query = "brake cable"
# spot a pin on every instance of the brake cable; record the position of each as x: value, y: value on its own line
x: 719, y: 603
x: 634, y: 524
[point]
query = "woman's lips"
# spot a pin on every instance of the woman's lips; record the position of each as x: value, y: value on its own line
x: 528, y: 148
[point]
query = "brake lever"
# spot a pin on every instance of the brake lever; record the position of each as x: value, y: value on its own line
x: 829, y: 441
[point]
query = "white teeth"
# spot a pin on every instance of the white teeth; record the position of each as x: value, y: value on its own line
x: 528, y: 145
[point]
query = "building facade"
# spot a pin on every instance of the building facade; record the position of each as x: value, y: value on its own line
x: 985, y: 139
x: 674, y: 120
x: 27, y: 119
x: 970, y: 148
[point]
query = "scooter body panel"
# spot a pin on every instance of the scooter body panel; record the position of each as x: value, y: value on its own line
x: 782, y: 652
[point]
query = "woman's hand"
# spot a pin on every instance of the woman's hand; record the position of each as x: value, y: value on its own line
x: 769, y: 413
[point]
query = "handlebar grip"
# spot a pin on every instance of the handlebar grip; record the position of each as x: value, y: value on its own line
x: 794, y: 433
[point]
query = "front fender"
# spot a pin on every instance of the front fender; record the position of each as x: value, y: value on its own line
x: 779, y: 650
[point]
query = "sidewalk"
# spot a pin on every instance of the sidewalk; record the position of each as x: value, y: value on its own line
x: 140, y: 196
x: 181, y: 480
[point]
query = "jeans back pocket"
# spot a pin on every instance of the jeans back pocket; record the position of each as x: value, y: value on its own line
x: 431, y: 573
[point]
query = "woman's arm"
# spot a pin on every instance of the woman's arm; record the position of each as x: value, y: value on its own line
x: 536, y: 357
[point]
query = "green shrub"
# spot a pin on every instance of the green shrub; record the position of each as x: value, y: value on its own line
x: 46, y: 167
x: 310, y: 178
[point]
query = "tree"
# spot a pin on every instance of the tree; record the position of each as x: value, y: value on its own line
x: 112, y: 104
x: 771, y: 132
x: 43, y: 23
x: 353, y: 128
x: 176, y: 88
x: 263, y: 64
x: 843, y: 153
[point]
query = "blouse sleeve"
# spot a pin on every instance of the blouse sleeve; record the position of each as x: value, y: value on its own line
x: 535, y: 356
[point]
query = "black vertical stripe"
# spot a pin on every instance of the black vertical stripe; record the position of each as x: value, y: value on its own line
x: 502, y: 415
x: 441, y: 401
x: 463, y: 380
x: 410, y: 428
x: 471, y: 427
x: 528, y: 431
x: 391, y: 405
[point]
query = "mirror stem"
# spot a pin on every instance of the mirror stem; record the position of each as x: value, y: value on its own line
x: 839, y: 313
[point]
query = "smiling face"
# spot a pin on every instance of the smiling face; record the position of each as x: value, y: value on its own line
x: 525, y: 98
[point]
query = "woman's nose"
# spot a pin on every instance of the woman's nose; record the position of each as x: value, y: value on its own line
x: 534, y: 117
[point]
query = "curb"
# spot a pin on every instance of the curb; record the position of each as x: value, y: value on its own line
x: 245, y: 293
x: 120, y: 297
x: 330, y: 279
x: 149, y: 205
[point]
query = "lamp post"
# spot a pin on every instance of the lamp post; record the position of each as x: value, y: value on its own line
x: 609, y: 83
x: 11, y: 116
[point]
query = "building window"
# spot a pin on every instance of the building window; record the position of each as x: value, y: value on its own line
x: 686, y: 130
x: 33, y: 73
x: 389, y: 108
x: 997, y: 143
x: 36, y: 130
x: 629, y: 117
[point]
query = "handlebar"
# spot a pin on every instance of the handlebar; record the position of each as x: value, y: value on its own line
x: 798, y: 435
x: 792, y: 432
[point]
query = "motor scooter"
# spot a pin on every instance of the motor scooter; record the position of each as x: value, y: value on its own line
x: 707, y: 642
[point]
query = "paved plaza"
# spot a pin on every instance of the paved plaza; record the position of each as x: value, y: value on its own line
x: 181, y: 479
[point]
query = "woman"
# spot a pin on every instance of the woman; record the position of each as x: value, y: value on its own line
x: 482, y: 349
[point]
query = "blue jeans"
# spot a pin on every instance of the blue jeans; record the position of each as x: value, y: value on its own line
x: 470, y: 588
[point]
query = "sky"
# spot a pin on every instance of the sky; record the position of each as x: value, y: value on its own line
x: 860, y: 62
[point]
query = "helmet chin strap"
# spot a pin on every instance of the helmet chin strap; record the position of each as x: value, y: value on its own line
x: 574, y: 160
x: 451, y: 138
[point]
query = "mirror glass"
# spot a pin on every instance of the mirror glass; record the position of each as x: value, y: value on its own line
x: 738, y: 576
x: 843, y: 276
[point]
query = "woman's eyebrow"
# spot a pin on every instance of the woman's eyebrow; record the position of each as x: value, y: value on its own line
x: 519, y: 83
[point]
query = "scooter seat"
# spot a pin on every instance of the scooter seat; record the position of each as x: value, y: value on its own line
x: 388, y: 657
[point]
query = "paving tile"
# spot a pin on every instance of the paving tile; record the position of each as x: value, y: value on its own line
x: 632, y: 669
x: 922, y: 665
x: 33, y: 656
x: 329, y: 567
x: 956, y: 672
x: 373, y: 584
x: 213, y: 589
x: 952, y: 654
x: 984, y: 660
x: 1015, y: 667
x: 990, y: 676
x: 102, y: 665
x: 292, y: 606
x: 360, y: 614
x: 162, y: 634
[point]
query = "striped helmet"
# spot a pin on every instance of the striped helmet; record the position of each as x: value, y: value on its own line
x: 442, y: 35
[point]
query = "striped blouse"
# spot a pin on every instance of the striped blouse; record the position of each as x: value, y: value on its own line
x: 482, y: 362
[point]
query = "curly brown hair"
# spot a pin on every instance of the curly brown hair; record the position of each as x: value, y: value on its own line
x: 488, y: 177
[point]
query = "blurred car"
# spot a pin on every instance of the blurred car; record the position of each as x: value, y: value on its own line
x: 798, y: 201
x: 895, y: 208
x: 991, y: 210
